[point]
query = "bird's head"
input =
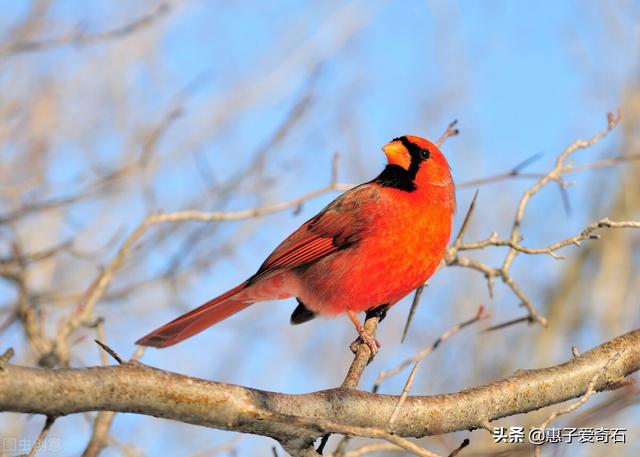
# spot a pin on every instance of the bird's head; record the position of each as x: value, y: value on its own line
x: 415, y: 163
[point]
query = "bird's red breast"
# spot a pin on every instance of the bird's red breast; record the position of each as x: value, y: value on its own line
x: 371, y: 246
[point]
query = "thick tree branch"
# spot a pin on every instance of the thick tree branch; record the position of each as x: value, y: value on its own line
x: 298, y: 419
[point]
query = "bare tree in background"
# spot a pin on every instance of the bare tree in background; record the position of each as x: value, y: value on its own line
x: 113, y: 205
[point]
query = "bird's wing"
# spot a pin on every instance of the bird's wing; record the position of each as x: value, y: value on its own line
x: 338, y: 226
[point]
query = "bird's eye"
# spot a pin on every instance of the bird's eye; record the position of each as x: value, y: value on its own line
x: 424, y: 154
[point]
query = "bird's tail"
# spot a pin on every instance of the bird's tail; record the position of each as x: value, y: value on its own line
x: 199, y: 319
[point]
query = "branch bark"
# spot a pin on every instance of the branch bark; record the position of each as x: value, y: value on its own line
x: 296, y: 420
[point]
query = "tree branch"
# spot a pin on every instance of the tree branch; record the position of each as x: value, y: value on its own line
x: 298, y: 419
x: 81, y: 37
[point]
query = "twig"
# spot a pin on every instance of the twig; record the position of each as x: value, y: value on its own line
x: 100, y: 434
x: 4, y: 358
x: 362, y: 357
x: 513, y: 242
x: 586, y: 234
x: 457, y: 450
x: 554, y: 175
x: 449, y: 132
x: 412, y: 311
x: 126, y: 449
x: 465, y: 223
x: 509, y: 323
x: 109, y: 351
x: 81, y: 38
x: 403, y: 396
x: 341, y: 448
x: 604, y: 163
x: 516, y: 173
x: 572, y: 407
x: 354, y: 430
x: 323, y: 442
x: 101, y: 336
x: 104, y: 419
x: 454, y: 259
x: 41, y: 436
x: 27, y: 313
x: 614, y: 404
x: 384, y: 375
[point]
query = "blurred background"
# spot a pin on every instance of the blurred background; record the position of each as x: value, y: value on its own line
x: 110, y: 111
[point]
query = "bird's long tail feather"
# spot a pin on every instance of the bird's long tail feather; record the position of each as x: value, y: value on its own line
x: 199, y: 319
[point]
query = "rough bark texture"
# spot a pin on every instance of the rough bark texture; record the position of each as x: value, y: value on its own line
x: 137, y: 388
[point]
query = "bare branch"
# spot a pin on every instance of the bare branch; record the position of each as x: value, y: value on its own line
x: 133, y: 387
x: 412, y: 311
x: 509, y: 323
x: 465, y: 223
x: 513, y: 243
x: 4, y: 358
x: 572, y: 407
x: 104, y: 419
x: 554, y: 175
x: 586, y: 234
x: 449, y: 132
x: 100, y: 434
x: 109, y: 351
x: 80, y: 37
x: 384, y: 375
x: 457, y: 450
x: 403, y: 395
x: 41, y: 436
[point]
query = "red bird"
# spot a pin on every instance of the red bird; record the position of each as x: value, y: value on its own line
x: 366, y: 250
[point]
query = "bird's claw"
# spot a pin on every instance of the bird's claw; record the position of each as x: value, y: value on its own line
x: 372, y: 342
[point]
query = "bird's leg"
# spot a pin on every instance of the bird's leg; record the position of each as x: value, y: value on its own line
x: 379, y: 312
x: 369, y: 340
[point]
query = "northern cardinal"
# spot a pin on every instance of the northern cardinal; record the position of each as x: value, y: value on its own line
x: 364, y: 251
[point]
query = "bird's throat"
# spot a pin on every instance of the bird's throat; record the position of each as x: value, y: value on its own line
x: 397, y: 177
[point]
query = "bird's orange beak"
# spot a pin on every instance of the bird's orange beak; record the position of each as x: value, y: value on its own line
x: 397, y: 154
